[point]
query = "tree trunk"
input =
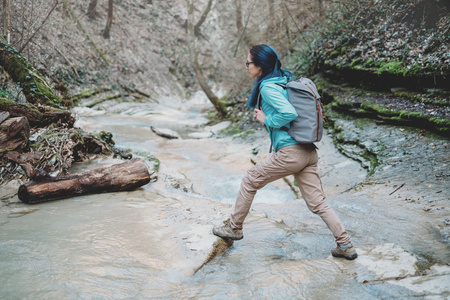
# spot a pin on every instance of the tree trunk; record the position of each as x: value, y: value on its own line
x: 207, y: 90
x: 202, y: 19
x: 41, y: 117
x: 287, y: 30
x: 6, y: 20
x: 241, y: 28
x: 107, y: 30
x: 14, y: 134
x: 91, y: 9
x: 192, y: 44
x: 271, y: 24
x: 121, y: 177
x: 33, y: 84
x: 72, y: 13
x: 321, y: 12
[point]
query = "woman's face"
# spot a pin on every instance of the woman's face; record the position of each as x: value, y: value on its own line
x: 253, y: 70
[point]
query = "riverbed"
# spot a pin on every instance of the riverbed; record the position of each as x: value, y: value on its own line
x: 148, y: 243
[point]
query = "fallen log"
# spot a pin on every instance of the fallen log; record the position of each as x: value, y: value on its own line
x: 37, y: 116
x: 3, y: 116
x: 121, y: 177
x: 14, y: 134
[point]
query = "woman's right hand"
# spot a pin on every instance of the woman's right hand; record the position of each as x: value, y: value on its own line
x: 260, y: 115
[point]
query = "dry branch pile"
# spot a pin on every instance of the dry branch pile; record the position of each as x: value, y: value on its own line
x: 52, y: 151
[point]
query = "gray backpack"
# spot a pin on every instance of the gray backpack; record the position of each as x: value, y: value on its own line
x: 304, y: 97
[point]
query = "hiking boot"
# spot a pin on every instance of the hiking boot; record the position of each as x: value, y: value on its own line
x: 226, y: 232
x: 348, y: 253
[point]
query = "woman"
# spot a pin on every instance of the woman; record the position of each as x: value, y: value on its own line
x: 290, y: 157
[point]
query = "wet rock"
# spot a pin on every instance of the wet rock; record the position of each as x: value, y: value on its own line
x: 434, y: 284
x: 166, y: 133
x: 9, y: 192
x: 388, y: 261
x: 218, y: 127
x: 210, y: 131
x: 19, y: 212
x: 201, y: 135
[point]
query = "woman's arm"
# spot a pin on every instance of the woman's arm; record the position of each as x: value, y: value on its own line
x: 284, y: 111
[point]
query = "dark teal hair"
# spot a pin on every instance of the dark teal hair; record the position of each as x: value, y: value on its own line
x: 267, y: 59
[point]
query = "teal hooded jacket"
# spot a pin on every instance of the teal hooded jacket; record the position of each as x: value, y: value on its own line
x: 279, y: 112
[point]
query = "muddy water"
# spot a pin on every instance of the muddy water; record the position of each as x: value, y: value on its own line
x: 146, y: 243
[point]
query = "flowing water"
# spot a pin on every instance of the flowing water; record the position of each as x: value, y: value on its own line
x: 146, y: 244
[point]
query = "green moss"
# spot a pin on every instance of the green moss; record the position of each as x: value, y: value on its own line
x: 441, y: 122
x: 417, y: 119
x: 369, y: 63
x: 156, y: 163
x: 212, y: 115
x: 372, y: 107
x: 392, y: 68
x: 405, y: 94
x: 87, y: 94
x: 247, y: 132
x: 28, y: 79
x: 224, y: 98
x: 356, y: 62
x: 232, y: 130
x: 6, y: 95
x: 106, y: 137
x: 334, y: 54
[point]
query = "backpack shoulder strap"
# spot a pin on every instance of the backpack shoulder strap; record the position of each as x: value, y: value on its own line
x: 258, y: 101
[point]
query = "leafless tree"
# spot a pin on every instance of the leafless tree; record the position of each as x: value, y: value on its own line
x: 193, y: 30
x: 271, y: 20
x: 6, y: 19
x: 91, y: 8
x: 107, y: 30
x: 287, y: 29
x: 39, y: 28
x: 320, y: 8
x: 242, y: 27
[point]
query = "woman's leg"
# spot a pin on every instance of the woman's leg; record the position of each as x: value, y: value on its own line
x: 279, y: 165
x: 310, y: 186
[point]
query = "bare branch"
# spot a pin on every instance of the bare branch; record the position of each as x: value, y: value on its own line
x: 202, y: 18
x: 245, y: 28
x: 72, y: 13
x: 37, y: 30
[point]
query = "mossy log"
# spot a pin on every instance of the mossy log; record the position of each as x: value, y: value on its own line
x: 14, y: 134
x: 37, y: 117
x: 121, y: 177
x: 33, y: 84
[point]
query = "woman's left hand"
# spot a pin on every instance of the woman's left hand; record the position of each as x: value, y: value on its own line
x: 260, y: 116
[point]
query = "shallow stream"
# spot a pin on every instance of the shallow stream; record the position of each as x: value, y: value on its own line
x: 146, y: 244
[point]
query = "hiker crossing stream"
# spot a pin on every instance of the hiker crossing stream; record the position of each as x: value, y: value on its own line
x: 152, y: 243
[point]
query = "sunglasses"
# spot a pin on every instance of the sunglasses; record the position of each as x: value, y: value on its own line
x: 247, y: 63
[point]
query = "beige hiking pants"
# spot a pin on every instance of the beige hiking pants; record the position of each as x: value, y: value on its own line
x: 300, y: 161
